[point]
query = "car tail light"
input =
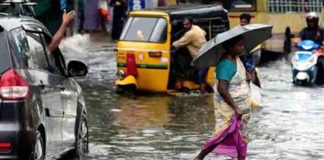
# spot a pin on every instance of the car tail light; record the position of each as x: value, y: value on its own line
x: 131, y: 64
x: 13, y: 86
x: 155, y: 54
x: 5, y: 147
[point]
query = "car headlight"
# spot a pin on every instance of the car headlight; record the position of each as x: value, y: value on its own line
x: 120, y: 74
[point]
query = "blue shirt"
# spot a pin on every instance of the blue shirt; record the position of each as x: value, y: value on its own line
x: 225, y: 70
x: 248, y: 61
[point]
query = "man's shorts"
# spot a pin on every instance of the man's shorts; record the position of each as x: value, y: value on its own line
x: 201, y: 77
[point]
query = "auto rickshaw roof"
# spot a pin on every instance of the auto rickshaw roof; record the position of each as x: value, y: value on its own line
x: 191, y: 10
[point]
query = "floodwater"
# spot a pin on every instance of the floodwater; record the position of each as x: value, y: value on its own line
x: 289, y: 127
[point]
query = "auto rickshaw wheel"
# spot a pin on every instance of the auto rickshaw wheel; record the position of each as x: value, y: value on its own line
x: 127, y: 90
x: 130, y: 90
x: 120, y: 90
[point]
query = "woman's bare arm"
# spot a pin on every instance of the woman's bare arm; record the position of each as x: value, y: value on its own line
x: 222, y: 88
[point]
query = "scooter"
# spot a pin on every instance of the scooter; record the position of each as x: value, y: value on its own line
x: 305, y: 63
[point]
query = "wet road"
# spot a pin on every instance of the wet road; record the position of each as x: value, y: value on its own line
x: 289, y: 127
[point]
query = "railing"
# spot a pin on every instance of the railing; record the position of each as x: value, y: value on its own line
x: 283, y: 6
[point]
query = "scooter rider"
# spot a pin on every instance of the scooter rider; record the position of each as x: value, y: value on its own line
x: 315, y: 33
x: 313, y: 30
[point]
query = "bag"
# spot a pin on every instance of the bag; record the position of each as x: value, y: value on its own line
x: 255, y: 97
x: 103, y: 9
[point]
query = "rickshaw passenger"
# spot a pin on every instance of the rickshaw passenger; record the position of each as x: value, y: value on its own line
x: 193, y: 39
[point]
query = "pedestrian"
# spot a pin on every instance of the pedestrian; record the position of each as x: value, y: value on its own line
x: 119, y: 17
x: 162, y: 3
x: 104, y: 13
x: 194, y: 39
x: 68, y: 5
x: 92, y: 16
x: 249, y: 59
x: 81, y: 17
x: 232, y: 104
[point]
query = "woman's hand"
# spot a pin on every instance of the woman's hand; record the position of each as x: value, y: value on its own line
x: 222, y: 88
x: 250, y: 75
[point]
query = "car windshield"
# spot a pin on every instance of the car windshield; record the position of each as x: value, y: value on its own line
x: 4, y: 54
x: 145, y: 29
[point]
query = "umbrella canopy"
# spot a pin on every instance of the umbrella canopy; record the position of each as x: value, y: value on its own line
x: 212, y: 51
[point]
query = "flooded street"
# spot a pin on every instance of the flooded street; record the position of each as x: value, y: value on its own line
x: 289, y: 127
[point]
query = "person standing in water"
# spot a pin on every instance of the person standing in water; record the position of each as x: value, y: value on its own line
x: 194, y: 39
x: 232, y: 104
x: 248, y: 59
x: 119, y: 17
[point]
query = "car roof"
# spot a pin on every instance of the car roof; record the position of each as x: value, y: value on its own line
x: 9, y: 21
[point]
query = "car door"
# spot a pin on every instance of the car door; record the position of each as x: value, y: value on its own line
x: 70, y: 104
x: 50, y: 92
x: 69, y: 95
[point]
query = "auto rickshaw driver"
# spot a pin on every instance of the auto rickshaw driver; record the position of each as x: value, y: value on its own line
x: 193, y: 39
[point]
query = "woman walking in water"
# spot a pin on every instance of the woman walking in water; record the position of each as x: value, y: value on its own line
x: 232, y: 104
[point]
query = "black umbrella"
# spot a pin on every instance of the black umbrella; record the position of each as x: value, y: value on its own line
x: 212, y: 51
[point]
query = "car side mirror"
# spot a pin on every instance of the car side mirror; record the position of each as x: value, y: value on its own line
x: 77, y: 68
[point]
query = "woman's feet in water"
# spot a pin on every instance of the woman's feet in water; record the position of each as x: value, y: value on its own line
x: 241, y: 158
x: 198, y: 158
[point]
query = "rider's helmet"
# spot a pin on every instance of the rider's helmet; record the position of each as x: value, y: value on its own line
x: 312, y: 19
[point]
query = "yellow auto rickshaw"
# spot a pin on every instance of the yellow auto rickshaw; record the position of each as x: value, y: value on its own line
x: 145, y: 61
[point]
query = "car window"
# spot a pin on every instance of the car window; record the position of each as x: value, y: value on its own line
x: 51, y: 60
x: 31, y: 51
x: 145, y: 29
x: 19, y: 45
x: 36, y: 52
x: 4, y: 54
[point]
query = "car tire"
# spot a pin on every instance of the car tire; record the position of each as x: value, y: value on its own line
x: 38, y: 150
x: 82, y: 138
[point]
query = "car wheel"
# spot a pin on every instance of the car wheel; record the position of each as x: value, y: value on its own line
x: 38, y: 152
x: 82, y: 139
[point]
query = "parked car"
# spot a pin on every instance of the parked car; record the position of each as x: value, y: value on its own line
x: 42, y: 107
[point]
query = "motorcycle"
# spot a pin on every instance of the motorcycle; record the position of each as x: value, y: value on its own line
x: 305, y: 63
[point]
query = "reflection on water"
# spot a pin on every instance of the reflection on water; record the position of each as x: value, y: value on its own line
x: 166, y: 127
